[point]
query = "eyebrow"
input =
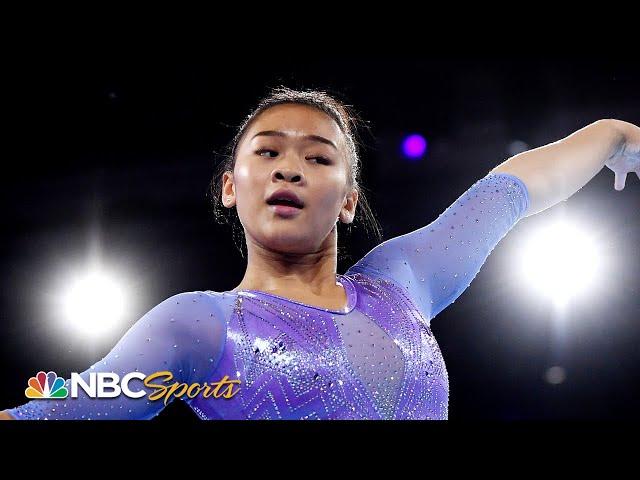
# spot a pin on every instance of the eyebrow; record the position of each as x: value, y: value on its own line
x: 276, y: 133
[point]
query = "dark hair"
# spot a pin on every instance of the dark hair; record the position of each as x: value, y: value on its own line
x: 348, y: 121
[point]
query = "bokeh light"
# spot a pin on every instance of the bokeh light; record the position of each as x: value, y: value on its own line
x: 414, y: 146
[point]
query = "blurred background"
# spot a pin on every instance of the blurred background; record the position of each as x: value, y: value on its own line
x: 109, y: 156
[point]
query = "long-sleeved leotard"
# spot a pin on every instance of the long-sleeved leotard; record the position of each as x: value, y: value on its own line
x: 436, y: 263
x: 181, y: 335
x: 375, y: 359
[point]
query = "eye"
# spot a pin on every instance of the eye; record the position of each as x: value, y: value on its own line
x: 263, y: 150
x: 321, y: 160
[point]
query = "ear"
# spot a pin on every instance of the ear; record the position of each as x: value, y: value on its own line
x: 228, y: 190
x: 348, y: 211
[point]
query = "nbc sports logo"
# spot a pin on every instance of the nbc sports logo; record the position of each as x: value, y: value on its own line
x: 46, y: 385
x: 110, y: 385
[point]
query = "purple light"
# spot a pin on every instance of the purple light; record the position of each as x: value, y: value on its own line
x: 414, y: 146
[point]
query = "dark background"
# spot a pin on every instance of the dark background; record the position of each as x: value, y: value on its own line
x: 121, y: 143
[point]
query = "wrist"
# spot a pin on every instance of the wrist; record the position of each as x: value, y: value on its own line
x: 617, y: 134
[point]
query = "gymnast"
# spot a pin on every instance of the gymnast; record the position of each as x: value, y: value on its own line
x: 301, y: 340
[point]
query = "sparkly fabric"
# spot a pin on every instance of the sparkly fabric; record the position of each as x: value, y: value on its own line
x: 375, y: 359
x: 181, y: 334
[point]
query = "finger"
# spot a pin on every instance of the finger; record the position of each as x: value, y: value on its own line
x: 621, y: 178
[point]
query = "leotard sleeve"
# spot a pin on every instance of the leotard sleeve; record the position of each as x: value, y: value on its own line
x: 184, y: 335
x: 435, y: 264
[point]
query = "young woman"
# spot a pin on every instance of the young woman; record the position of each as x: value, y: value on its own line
x: 297, y: 340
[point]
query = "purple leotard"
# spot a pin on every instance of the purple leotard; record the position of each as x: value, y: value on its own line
x: 376, y: 359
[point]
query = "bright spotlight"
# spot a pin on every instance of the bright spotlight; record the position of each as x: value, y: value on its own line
x: 414, y: 146
x: 561, y: 262
x: 94, y: 304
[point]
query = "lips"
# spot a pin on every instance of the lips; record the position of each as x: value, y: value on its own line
x: 286, y: 198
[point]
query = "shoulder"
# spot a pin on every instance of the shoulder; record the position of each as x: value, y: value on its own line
x: 197, y: 300
x: 200, y: 304
x: 194, y: 313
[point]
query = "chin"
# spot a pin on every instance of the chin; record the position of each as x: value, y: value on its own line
x: 291, y: 242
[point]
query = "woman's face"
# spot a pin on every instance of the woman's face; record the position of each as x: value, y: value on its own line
x: 302, y: 150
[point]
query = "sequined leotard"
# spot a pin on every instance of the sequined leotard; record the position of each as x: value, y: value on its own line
x: 376, y: 359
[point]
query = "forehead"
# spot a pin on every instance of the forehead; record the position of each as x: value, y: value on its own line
x: 296, y: 120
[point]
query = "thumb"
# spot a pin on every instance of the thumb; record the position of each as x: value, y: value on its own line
x: 621, y: 178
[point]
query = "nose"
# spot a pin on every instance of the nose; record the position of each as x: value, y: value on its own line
x: 288, y: 175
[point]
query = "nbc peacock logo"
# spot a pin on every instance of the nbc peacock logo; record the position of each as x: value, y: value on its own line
x: 45, y: 386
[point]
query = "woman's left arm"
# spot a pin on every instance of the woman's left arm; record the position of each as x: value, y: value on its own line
x: 436, y: 263
x: 556, y: 171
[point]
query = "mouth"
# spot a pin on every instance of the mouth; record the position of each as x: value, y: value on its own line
x: 285, y: 202
x: 285, y: 197
x: 286, y: 211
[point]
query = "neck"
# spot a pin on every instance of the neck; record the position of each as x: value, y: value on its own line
x: 272, y: 271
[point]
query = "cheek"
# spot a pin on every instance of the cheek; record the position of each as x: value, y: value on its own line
x: 247, y: 179
x: 332, y: 191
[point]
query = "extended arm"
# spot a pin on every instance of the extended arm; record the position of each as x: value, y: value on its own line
x: 556, y: 171
x: 184, y: 335
x: 435, y: 264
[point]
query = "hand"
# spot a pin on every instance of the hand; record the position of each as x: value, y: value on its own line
x: 627, y: 157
